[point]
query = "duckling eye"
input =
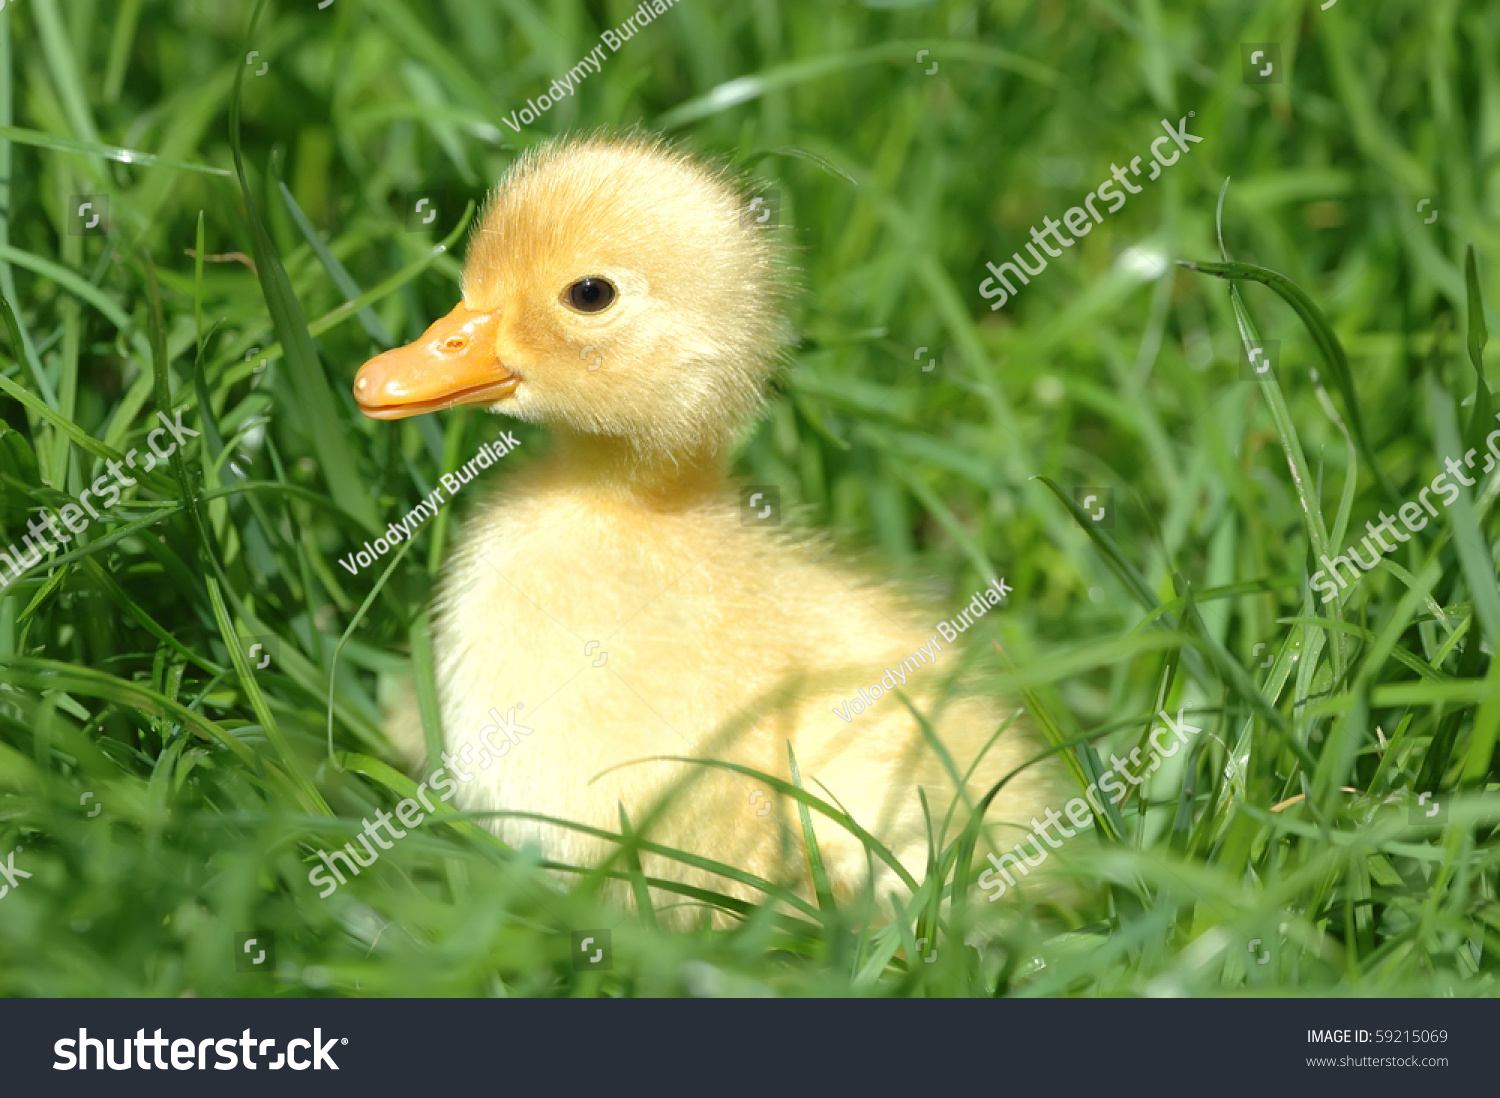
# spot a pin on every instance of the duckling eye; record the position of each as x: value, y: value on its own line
x: 591, y: 295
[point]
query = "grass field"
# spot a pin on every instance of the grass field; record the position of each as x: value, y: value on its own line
x: 258, y: 238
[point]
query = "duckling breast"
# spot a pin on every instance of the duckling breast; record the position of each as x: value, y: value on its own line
x: 617, y: 635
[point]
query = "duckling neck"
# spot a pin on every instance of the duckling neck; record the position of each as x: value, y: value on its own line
x: 613, y: 467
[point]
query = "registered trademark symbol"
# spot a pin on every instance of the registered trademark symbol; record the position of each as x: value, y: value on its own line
x: 344, y: 1040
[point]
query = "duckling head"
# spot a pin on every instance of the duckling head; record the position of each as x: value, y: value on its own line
x: 614, y: 289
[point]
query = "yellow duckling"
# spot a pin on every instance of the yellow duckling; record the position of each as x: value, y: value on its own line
x: 611, y: 604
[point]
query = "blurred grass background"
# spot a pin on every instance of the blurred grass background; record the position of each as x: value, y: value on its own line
x: 123, y: 667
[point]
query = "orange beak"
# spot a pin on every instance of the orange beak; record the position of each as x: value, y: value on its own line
x: 454, y: 363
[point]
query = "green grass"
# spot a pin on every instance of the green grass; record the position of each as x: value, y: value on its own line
x: 121, y: 674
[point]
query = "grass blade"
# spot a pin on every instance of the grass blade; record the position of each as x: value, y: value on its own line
x: 314, y: 397
x: 780, y: 77
x: 821, y: 887
x: 117, y: 153
x: 368, y: 320
x: 1323, y: 335
x: 630, y: 850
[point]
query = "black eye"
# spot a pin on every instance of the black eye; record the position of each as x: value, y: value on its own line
x: 591, y: 295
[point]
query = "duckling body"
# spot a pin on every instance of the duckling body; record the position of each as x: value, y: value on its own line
x: 610, y: 605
